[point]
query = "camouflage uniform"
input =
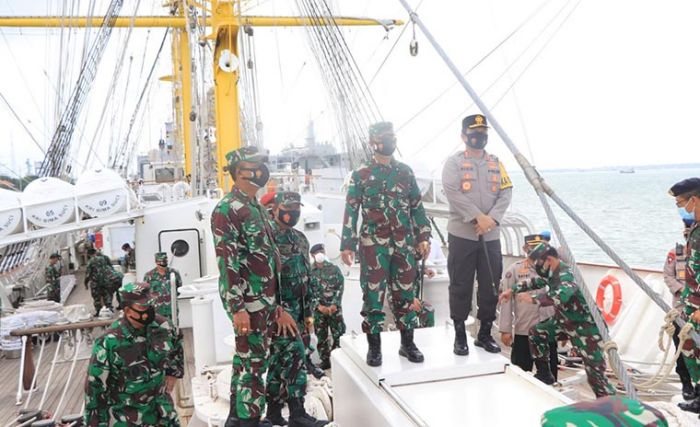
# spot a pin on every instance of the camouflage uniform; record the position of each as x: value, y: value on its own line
x: 98, y: 274
x: 572, y: 318
x: 125, y: 384
x: 130, y: 259
x: 605, y: 412
x: 52, y: 276
x: 327, y: 283
x: 160, y: 287
x: 287, y: 374
x: 690, y: 297
x: 426, y: 315
x: 393, y: 223
x: 248, y: 261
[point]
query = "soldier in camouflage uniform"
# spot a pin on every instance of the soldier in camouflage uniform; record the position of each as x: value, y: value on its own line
x: 286, y: 378
x: 327, y: 284
x: 129, y: 257
x: 134, y: 367
x: 97, y: 276
x: 687, y: 194
x: 609, y: 411
x: 248, y: 263
x: 394, y: 227
x: 572, y: 317
x: 159, y: 279
x: 52, y: 275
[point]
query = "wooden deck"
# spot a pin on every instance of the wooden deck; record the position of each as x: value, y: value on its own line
x: 73, y: 401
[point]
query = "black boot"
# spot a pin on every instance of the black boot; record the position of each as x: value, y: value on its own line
x: 314, y: 370
x: 274, y: 414
x: 544, y: 374
x: 408, y: 348
x: 298, y: 416
x: 232, y: 419
x: 689, y: 392
x: 692, y: 406
x: 460, y: 348
x: 485, y: 340
x: 374, y: 352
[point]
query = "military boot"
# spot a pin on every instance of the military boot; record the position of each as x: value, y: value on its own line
x: 408, y: 348
x: 485, y: 340
x: 232, y: 419
x: 460, y: 347
x: 314, y: 370
x: 274, y: 414
x: 692, y: 406
x: 689, y: 391
x: 544, y: 374
x: 374, y: 352
x: 298, y: 416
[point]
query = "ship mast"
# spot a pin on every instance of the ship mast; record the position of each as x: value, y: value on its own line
x: 225, y: 20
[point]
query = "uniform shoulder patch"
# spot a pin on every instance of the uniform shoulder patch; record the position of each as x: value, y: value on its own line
x: 505, y: 179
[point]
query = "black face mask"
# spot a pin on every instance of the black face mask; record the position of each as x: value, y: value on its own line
x: 477, y: 140
x: 146, y: 316
x: 289, y: 218
x: 163, y: 264
x: 387, y: 144
x: 260, y: 175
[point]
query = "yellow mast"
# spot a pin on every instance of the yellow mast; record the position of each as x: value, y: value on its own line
x: 225, y: 22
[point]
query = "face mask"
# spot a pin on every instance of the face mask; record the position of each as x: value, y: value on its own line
x: 147, y: 316
x: 386, y: 145
x: 477, y: 140
x: 162, y: 263
x: 687, y: 216
x: 260, y: 175
x: 320, y: 257
x: 289, y: 218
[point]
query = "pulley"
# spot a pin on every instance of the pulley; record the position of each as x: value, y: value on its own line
x: 413, y: 47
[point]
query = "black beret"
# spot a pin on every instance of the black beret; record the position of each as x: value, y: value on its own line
x: 317, y: 248
x: 685, y: 186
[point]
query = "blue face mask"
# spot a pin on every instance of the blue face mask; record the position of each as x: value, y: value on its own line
x: 685, y: 215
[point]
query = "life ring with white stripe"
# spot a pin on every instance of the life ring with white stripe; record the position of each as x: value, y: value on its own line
x: 609, y: 280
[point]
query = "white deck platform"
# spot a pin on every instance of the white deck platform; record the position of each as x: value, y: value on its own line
x: 479, y: 389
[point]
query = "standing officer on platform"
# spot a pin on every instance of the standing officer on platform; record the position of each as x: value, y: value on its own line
x: 394, y: 228
x: 327, y: 284
x: 97, y: 276
x: 286, y: 377
x: 687, y: 194
x: 134, y: 367
x: 249, y: 265
x: 159, y: 279
x: 478, y: 191
x: 674, y: 277
x: 52, y: 275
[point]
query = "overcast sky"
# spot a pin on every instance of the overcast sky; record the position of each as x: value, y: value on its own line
x: 599, y: 83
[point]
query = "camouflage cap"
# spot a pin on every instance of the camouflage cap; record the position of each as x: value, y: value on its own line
x: 378, y: 129
x: 288, y: 198
x: 135, y: 293
x: 245, y: 154
x: 161, y: 256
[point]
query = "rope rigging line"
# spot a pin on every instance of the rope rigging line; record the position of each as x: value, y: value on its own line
x: 502, y: 75
x: 539, y: 186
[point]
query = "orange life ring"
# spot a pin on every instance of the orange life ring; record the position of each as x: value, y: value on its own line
x: 609, y: 280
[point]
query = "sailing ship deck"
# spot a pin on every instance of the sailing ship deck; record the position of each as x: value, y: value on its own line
x: 73, y: 401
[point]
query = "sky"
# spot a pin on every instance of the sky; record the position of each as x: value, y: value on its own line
x: 578, y: 85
